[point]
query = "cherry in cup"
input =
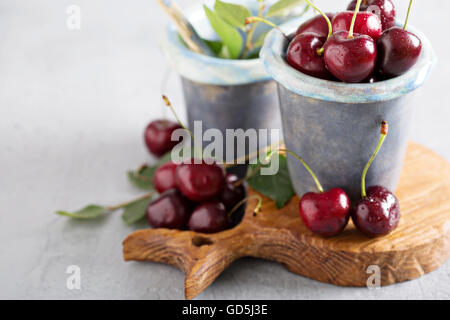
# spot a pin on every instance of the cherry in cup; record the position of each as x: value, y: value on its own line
x: 350, y: 57
x: 385, y: 9
x: 317, y: 25
x: 378, y: 211
x: 398, y: 50
x: 366, y: 23
x: 305, y: 51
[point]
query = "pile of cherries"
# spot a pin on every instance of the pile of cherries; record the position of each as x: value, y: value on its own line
x: 360, y: 46
x: 195, y: 194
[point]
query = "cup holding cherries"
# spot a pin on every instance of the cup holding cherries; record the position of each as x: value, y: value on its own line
x: 360, y: 46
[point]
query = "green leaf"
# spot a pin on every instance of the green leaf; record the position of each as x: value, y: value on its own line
x: 135, y: 211
x: 278, y: 187
x: 215, y: 46
x: 282, y: 7
x: 88, y: 212
x: 230, y: 36
x: 234, y: 14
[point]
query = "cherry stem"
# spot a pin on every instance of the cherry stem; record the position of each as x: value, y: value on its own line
x: 168, y: 104
x: 124, y: 204
x: 383, y: 134
x: 330, y: 27
x: 250, y: 20
x: 319, y: 186
x: 407, y: 15
x: 352, y: 25
x: 240, y: 203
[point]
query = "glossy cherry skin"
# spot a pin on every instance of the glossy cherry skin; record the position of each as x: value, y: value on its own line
x: 385, y: 10
x: 366, y: 23
x: 302, y: 55
x: 170, y: 210
x: 398, y: 51
x: 200, y: 182
x: 231, y: 194
x: 209, y: 217
x: 350, y: 60
x: 325, y: 213
x: 378, y: 213
x: 157, y: 136
x: 164, y: 177
x: 317, y: 25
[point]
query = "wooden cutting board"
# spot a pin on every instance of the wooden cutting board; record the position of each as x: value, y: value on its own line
x: 419, y: 245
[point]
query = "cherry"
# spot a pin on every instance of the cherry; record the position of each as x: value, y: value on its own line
x: 366, y: 23
x: 398, y: 50
x: 325, y: 213
x: 209, y: 217
x: 350, y: 58
x: 304, y: 55
x: 317, y: 25
x: 384, y: 8
x: 232, y: 194
x: 170, y: 210
x: 200, y: 181
x: 164, y: 178
x: 378, y: 212
x: 158, y: 135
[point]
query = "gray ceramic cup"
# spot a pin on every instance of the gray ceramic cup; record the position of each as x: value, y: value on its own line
x: 335, y: 126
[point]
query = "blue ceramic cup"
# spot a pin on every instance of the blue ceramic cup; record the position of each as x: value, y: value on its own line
x: 222, y: 93
x: 335, y: 126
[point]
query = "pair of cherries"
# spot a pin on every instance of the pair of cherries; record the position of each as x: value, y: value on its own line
x: 355, y: 47
x: 327, y: 212
x: 195, y: 194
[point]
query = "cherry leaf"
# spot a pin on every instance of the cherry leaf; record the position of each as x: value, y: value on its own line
x: 282, y: 8
x: 234, y: 14
x: 229, y: 35
x: 88, y: 212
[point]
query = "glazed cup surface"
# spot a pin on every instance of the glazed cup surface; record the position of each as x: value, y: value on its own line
x: 335, y: 126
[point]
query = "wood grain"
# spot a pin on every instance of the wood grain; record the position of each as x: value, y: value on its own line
x: 419, y: 245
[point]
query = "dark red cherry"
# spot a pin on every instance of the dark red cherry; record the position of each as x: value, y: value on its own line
x: 200, y: 182
x: 170, y: 210
x: 366, y: 23
x: 302, y: 54
x: 350, y: 60
x: 325, y: 213
x: 378, y: 213
x: 317, y: 25
x: 398, y: 51
x: 209, y: 217
x: 164, y: 178
x: 231, y: 194
x: 384, y: 8
x: 157, y: 136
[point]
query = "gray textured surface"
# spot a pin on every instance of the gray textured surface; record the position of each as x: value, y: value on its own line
x: 72, y: 108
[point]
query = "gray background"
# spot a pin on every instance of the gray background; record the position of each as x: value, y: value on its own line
x: 73, y: 105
